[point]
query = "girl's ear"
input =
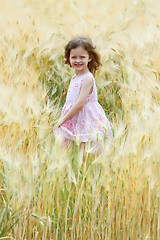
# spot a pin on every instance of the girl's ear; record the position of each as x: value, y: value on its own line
x: 90, y: 58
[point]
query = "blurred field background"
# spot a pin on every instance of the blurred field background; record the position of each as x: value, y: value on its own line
x: 43, y: 194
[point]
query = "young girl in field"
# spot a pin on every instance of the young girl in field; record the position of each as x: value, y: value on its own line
x: 82, y: 118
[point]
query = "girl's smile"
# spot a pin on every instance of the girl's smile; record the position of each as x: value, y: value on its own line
x: 79, y: 59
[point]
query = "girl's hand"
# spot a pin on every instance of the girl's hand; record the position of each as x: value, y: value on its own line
x: 60, y: 122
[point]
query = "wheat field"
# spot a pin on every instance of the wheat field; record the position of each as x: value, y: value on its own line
x: 43, y: 193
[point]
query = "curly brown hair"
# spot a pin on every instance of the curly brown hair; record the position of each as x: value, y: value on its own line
x: 86, y: 43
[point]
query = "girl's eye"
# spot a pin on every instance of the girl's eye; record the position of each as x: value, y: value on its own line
x: 73, y: 57
x: 82, y: 57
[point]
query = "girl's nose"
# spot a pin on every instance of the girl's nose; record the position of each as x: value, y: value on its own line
x: 77, y: 60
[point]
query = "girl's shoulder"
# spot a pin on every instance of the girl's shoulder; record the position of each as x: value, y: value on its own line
x: 90, y: 75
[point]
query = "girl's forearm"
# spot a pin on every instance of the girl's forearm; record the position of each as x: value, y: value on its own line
x: 74, y: 110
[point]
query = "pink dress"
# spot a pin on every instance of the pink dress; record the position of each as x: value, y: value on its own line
x: 90, y: 123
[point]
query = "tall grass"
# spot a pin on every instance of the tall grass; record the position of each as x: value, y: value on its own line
x: 43, y: 193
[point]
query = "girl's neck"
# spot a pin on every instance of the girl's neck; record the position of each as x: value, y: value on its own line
x: 78, y: 74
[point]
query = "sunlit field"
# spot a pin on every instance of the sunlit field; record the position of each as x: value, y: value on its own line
x: 43, y: 193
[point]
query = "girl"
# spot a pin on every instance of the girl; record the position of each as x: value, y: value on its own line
x: 82, y: 118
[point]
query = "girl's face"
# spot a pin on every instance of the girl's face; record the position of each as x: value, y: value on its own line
x: 79, y: 59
